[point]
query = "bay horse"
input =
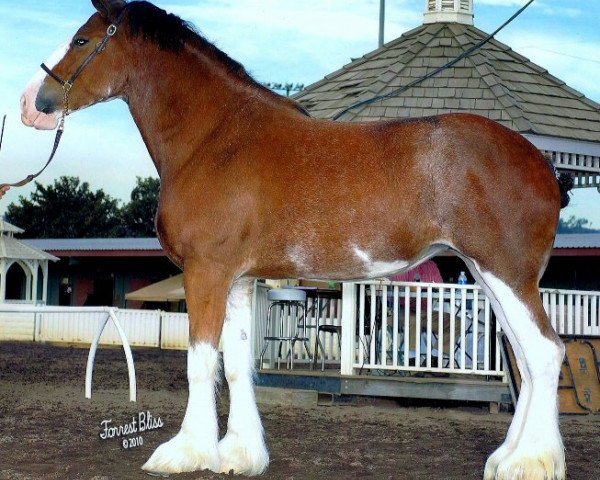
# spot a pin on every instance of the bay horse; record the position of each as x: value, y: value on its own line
x: 242, y: 196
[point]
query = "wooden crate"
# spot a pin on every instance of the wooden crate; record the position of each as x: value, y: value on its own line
x: 579, y: 383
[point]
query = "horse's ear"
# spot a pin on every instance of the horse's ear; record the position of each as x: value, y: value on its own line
x: 109, y: 9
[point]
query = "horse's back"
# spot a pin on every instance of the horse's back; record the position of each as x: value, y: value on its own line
x: 451, y: 166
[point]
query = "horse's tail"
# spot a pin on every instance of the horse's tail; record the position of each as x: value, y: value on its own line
x: 565, y: 182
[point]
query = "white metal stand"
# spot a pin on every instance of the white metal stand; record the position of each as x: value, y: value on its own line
x: 90, y: 363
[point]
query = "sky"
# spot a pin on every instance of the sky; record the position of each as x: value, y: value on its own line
x: 282, y: 41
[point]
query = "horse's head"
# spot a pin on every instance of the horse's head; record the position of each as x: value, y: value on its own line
x: 87, y: 67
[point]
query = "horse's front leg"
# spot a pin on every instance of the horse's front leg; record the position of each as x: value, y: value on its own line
x: 195, y: 447
x: 243, y: 449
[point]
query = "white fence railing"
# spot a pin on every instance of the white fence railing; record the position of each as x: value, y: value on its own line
x: 573, y: 312
x: 429, y: 327
x: 387, y: 326
x: 79, y: 326
x: 19, y: 326
x: 174, y: 330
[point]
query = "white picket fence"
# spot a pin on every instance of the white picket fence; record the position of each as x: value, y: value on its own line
x: 174, y: 330
x: 400, y: 326
x: 425, y: 327
x: 387, y: 326
x: 79, y: 326
x: 573, y: 312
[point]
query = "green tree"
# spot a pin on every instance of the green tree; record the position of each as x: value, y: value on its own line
x: 575, y: 225
x: 138, y: 215
x: 66, y: 209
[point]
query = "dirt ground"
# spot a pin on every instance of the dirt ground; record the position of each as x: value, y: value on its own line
x: 49, y: 430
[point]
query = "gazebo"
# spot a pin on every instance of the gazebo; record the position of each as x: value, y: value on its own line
x: 33, y: 263
x: 493, y: 81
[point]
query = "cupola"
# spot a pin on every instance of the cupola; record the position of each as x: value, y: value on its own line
x: 449, y: 11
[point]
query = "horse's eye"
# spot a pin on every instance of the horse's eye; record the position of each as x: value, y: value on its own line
x: 80, y: 42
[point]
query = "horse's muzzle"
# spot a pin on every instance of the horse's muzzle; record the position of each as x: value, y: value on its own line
x: 39, y: 109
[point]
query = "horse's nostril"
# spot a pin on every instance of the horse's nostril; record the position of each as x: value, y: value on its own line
x: 44, y: 105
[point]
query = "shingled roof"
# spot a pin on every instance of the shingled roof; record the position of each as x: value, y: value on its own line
x: 14, y: 249
x: 494, y: 81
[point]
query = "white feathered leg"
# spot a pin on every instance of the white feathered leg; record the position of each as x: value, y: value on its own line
x: 243, y: 448
x: 516, y: 425
x: 533, y: 449
x: 195, y: 447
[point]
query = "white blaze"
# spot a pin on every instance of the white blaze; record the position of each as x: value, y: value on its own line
x: 30, y: 116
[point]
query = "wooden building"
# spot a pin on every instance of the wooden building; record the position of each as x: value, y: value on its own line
x: 100, y: 271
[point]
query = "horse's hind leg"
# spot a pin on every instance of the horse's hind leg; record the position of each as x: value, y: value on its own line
x: 243, y: 449
x: 533, y: 447
x: 195, y: 447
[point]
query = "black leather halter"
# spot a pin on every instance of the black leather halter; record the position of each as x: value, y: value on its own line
x: 100, y: 46
x: 67, y: 85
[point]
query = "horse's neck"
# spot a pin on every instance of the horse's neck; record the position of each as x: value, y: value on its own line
x: 180, y: 100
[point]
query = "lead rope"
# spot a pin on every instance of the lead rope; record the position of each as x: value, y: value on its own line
x: 2, y: 132
x: 66, y: 89
x: 59, y: 132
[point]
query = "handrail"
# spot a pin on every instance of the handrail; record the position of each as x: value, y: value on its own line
x: 386, y: 282
x: 564, y: 291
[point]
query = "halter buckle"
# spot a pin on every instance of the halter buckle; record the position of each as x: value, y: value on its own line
x: 111, y: 30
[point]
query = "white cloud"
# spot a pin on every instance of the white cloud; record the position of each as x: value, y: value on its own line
x: 303, y: 39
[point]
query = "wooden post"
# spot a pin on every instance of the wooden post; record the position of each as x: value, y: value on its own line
x: 348, y: 328
x: 381, y: 21
x: 34, y: 282
x: 45, y: 282
x: 28, y: 276
x: 2, y: 280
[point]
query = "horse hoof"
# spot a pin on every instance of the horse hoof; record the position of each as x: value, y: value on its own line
x: 494, y: 460
x: 248, y: 457
x: 548, y: 464
x: 183, y: 453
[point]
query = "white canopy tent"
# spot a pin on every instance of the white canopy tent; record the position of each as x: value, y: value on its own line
x: 168, y: 290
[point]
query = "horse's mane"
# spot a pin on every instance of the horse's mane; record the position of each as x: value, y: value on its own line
x: 171, y: 33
